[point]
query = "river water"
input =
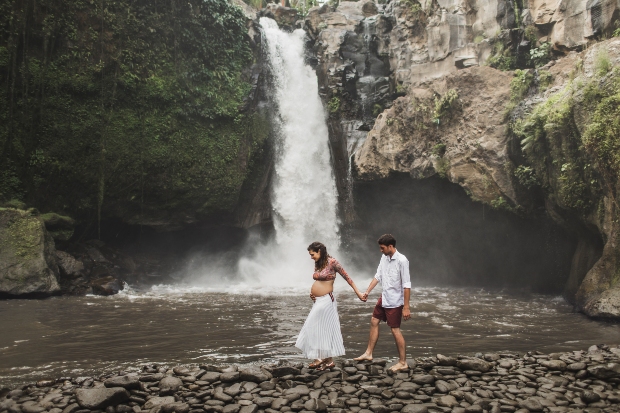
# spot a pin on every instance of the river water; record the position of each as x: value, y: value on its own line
x: 78, y: 336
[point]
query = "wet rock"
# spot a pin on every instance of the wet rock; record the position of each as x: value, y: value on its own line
x: 249, y: 409
x: 231, y: 408
x: 158, y: 401
x: 315, y: 405
x: 473, y: 364
x: 129, y: 382
x: 423, y: 379
x: 177, y: 407
x: 106, y: 285
x: 284, y: 371
x: 100, y: 398
x: 446, y: 361
x: 255, y: 374
x: 27, y: 255
x: 446, y: 401
x: 181, y: 371
x: 169, y: 385
x: 68, y: 266
x: 32, y: 407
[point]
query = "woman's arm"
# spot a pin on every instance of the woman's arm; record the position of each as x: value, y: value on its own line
x: 338, y: 268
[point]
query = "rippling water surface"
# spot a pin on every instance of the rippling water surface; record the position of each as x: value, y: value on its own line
x: 77, y: 336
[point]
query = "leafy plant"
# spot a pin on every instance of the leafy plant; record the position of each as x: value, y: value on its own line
x: 444, y: 104
x: 334, y: 104
x: 539, y: 56
x: 377, y: 109
x: 526, y: 176
x: 602, y: 64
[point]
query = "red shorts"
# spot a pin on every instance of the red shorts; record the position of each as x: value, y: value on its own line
x: 392, y: 316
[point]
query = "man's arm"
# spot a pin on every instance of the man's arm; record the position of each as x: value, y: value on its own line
x: 406, y: 310
x: 372, y: 285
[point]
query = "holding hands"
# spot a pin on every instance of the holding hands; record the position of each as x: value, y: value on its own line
x: 362, y: 296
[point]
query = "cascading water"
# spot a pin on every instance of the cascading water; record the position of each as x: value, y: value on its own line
x: 304, y: 197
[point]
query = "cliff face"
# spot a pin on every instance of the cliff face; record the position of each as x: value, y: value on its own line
x: 414, y: 87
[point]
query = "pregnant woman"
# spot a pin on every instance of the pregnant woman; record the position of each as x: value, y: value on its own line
x: 320, y: 338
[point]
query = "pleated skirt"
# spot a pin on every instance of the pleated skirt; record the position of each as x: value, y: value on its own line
x: 320, y: 337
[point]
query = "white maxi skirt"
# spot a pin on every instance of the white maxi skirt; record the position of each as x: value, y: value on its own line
x: 320, y: 337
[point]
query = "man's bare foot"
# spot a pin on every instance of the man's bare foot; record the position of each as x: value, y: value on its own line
x: 399, y: 367
x: 364, y: 357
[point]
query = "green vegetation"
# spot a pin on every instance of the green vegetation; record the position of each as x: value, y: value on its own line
x: 445, y: 104
x: 544, y: 80
x: 539, y: 56
x: 520, y: 84
x: 334, y: 104
x: 571, y: 155
x: 526, y: 176
x: 502, y: 58
x: 414, y: 6
x: 479, y: 38
x: 377, y: 109
x: 501, y: 204
x: 439, y: 149
x: 602, y: 64
x: 130, y: 110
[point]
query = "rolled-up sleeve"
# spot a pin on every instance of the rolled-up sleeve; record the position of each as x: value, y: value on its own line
x: 406, y: 278
x: 378, y: 274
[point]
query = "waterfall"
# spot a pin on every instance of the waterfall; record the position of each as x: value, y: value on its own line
x: 304, y: 196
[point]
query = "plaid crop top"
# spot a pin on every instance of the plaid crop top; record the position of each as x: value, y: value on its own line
x: 329, y: 272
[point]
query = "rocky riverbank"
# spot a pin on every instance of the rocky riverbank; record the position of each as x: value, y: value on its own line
x: 496, y: 382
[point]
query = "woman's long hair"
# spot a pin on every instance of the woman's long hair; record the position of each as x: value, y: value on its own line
x: 322, y: 249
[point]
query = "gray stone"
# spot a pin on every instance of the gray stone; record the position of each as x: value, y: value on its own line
x: 473, y: 364
x: 211, y: 376
x: 231, y: 408
x: 263, y: 401
x: 278, y: 403
x: 219, y: 394
x: 558, y: 365
x: 443, y: 386
x: 32, y: 407
x: 129, y: 382
x: 68, y: 266
x: 252, y: 408
x: 423, y: 379
x: 27, y: 255
x: 445, y: 360
x: 285, y: 371
x: 605, y: 371
x: 181, y: 371
x: 233, y: 390
x: 151, y: 378
x: 446, y: 401
x: 169, y: 385
x: 315, y: 405
x: 102, y: 397
x: 177, y: 407
x: 72, y: 408
x: 532, y: 405
x: 414, y: 408
x: 576, y: 366
x: 255, y: 374
x: 158, y: 401
x: 590, y: 396
x: 229, y: 377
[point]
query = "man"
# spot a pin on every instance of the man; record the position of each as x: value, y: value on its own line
x: 393, y: 274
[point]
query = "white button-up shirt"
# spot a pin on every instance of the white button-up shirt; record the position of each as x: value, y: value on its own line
x: 393, y: 274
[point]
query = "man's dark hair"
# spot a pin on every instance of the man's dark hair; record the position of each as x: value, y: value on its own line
x: 387, y: 239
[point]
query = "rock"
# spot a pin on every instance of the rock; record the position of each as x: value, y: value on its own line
x: 181, y: 371
x: 576, y: 366
x: 553, y: 364
x: 158, y: 401
x: 255, y: 374
x: 278, y: 403
x: 532, y: 405
x: 27, y: 255
x: 231, y: 408
x: 252, y: 408
x: 106, y: 285
x: 446, y: 401
x: 414, y: 408
x: 72, y: 408
x: 285, y: 371
x: 32, y: 407
x: 176, y: 407
x: 229, y: 376
x: 129, y: 382
x: 473, y: 364
x: 590, y: 397
x: 100, y: 398
x: 445, y: 361
x: 423, y: 379
x: 211, y: 376
x: 169, y: 385
x: 60, y: 227
x: 151, y: 378
x: 605, y: 371
x: 315, y: 405
x: 68, y: 266
x: 442, y: 386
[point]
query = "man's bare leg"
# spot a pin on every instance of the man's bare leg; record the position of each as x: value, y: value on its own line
x: 400, y: 346
x: 372, y: 340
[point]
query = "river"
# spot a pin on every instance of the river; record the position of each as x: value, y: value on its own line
x: 80, y: 336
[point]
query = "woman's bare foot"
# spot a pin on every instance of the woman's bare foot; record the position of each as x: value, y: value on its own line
x: 364, y: 357
x: 399, y: 367
x: 316, y: 363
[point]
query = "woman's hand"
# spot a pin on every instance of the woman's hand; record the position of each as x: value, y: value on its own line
x: 362, y: 297
x: 312, y: 297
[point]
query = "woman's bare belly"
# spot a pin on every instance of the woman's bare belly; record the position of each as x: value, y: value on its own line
x: 320, y: 288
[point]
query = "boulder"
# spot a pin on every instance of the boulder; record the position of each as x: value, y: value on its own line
x: 68, y: 266
x: 60, y: 227
x: 169, y: 385
x: 101, y: 397
x: 27, y: 255
x: 254, y: 374
x: 558, y: 365
x: 473, y: 364
x: 107, y: 285
x: 605, y: 371
x: 129, y: 382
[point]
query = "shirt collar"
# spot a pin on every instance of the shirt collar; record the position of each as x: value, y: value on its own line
x: 393, y: 257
